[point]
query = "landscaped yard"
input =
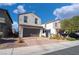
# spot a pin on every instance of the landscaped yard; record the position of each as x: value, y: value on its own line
x: 28, y: 41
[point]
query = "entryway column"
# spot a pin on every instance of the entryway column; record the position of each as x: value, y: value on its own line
x: 40, y: 34
x: 20, y: 31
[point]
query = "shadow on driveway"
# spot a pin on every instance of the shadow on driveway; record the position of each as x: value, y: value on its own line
x: 7, y: 41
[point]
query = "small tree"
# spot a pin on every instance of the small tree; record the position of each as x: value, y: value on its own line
x: 70, y: 25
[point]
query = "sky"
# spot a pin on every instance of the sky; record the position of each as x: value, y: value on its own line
x: 46, y: 11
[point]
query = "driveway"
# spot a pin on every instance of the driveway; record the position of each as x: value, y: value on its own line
x: 40, y: 41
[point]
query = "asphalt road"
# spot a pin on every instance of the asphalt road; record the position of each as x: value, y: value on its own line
x: 68, y: 51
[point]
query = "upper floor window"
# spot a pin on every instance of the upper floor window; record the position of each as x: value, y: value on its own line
x: 1, y: 15
x: 25, y: 19
x: 55, y: 24
x: 36, y: 20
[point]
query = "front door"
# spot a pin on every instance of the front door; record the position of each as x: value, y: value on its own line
x: 47, y: 33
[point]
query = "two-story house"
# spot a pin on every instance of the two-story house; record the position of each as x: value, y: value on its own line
x: 51, y: 27
x: 29, y: 25
x: 5, y: 23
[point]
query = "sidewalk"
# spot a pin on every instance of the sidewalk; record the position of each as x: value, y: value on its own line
x: 39, y: 49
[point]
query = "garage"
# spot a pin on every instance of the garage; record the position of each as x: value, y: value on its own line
x: 27, y: 32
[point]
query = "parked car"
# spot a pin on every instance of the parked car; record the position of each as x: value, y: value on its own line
x: 74, y: 35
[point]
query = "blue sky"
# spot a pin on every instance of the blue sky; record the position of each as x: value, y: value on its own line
x: 46, y: 11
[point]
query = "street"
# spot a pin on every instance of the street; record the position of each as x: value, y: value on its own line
x: 69, y: 51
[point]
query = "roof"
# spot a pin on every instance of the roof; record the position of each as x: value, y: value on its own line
x: 30, y: 13
x: 50, y: 21
x: 7, y: 14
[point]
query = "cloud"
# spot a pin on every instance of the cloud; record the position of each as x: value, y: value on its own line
x: 15, y: 11
x: 19, y: 9
x: 67, y: 11
x: 7, y: 4
x: 15, y: 26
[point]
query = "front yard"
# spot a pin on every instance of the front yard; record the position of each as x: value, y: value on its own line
x: 28, y: 41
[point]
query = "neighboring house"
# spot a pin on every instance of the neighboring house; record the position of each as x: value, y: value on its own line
x: 5, y: 23
x: 29, y: 25
x: 51, y: 28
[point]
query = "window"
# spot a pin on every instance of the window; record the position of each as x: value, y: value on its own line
x: 25, y: 19
x: 36, y: 20
x: 2, y: 26
x: 55, y: 24
x: 1, y: 15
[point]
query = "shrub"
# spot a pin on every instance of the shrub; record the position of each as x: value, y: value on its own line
x: 56, y: 36
x: 42, y: 36
x: 20, y: 40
